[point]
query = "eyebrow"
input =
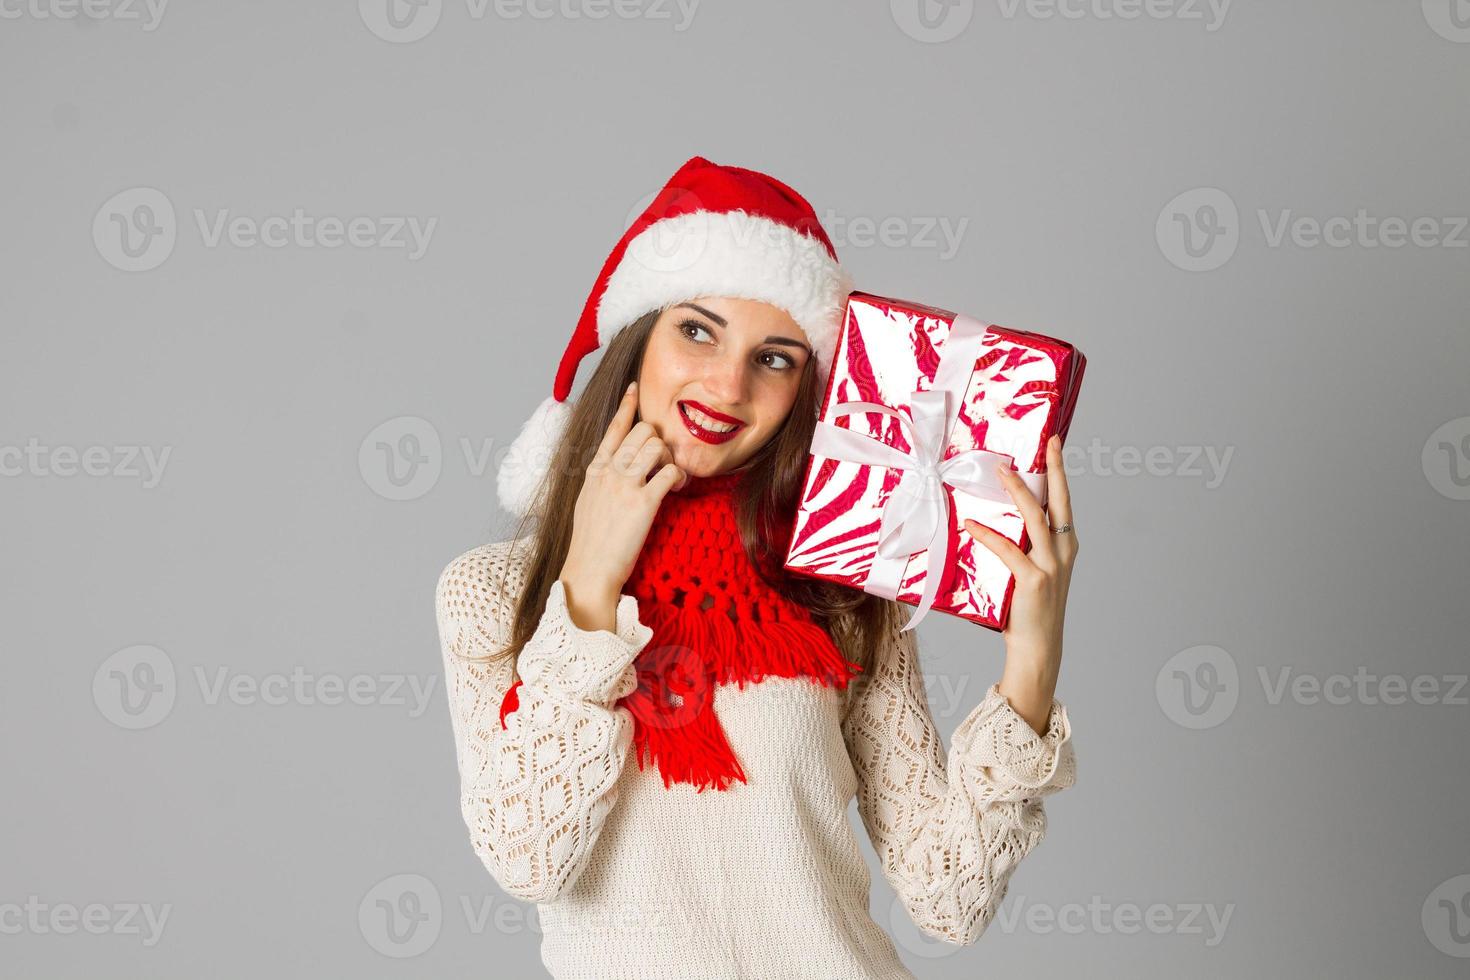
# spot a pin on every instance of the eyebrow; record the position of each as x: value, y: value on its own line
x: 787, y: 341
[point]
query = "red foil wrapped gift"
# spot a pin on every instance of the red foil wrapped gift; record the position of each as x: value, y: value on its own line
x: 921, y: 405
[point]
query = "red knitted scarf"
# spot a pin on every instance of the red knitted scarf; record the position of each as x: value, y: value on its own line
x: 714, y: 621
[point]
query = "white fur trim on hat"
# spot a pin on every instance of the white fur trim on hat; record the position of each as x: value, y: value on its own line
x: 734, y: 253
x: 518, y: 482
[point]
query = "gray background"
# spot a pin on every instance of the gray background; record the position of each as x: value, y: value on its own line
x: 1332, y: 543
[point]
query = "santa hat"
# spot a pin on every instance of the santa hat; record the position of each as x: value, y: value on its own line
x: 710, y: 231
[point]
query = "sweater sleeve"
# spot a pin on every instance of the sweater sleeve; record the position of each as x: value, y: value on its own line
x: 535, y: 787
x: 949, y: 829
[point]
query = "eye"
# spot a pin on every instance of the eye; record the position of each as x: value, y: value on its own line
x: 790, y: 362
x: 697, y: 326
x: 785, y: 362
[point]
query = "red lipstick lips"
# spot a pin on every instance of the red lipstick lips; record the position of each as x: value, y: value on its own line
x: 709, y: 435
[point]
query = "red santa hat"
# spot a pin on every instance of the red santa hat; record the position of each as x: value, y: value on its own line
x: 710, y: 231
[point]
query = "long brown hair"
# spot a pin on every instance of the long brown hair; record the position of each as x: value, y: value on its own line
x: 769, y: 489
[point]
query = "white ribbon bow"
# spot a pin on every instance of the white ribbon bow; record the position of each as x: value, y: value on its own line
x: 916, y: 515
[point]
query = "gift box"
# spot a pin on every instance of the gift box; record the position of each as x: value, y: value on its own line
x: 921, y: 405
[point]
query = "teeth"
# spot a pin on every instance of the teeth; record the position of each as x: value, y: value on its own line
x: 701, y: 419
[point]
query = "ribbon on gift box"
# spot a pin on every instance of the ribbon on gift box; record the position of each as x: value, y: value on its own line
x: 916, y: 514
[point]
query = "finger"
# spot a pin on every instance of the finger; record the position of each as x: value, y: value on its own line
x: 1058, y: 494
x: 1003, y: 548
x: 625, y: 460
x: 667, y: 478
x: 1042, y: 550
x: 653, y: 454
x: 617, y: 429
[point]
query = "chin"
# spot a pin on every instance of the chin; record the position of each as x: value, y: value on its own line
x: 701, y: 469
x: 704, y: 464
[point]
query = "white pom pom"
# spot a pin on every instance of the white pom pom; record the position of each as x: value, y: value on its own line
x: 518, y: 481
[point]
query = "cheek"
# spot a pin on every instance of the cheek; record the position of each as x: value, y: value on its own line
x: 666, y: 367
x: 773, y: 405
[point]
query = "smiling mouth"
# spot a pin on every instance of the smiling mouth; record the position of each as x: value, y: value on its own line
x: 707, y: 427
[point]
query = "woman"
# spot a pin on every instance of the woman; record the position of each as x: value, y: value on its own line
x: 641, y: 613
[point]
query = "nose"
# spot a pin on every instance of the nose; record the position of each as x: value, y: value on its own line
x: 729, y: 382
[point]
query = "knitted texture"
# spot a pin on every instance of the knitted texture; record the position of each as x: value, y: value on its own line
x: 714, y: 621
x: 637, y: 879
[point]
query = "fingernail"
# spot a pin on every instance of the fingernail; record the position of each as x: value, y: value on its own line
x: 630, y: 388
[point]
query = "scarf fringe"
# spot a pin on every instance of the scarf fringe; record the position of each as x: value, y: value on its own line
x: 691, y: 652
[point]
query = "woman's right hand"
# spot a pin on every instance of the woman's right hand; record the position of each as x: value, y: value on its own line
x: 614, y: 512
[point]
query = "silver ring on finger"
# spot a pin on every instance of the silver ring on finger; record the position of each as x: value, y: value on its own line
x: 1061, y: 530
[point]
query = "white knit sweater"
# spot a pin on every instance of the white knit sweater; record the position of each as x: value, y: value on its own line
x: 763, y: 880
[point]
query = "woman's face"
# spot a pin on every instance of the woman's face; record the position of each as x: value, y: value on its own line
x: 736, y: 361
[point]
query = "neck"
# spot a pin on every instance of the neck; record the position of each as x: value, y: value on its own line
x: 716, y: 483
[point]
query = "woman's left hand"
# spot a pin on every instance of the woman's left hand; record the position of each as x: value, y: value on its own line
x: 1033, y: 632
